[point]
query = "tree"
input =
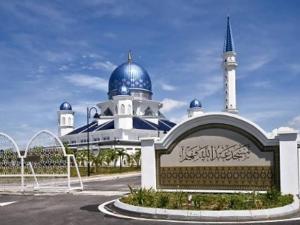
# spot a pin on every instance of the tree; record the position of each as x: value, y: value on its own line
x: 68, y: 149
x: 110, y: 156
x: 137, y: 157
x: 81, y: 157
x: 99, y: 159
x: 130, y: 160
x: 121, y: 153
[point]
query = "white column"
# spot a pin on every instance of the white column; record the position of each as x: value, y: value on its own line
x: 148, y: 163
x: 289, y: 169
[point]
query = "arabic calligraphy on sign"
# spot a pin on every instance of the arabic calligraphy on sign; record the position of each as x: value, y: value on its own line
x: 236, y: 152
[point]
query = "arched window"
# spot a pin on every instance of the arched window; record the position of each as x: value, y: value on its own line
x: 148, y: 112
x: 63, y: 120
x: 69, y: 120
x: 116, y: 109
x: 122, y: 109
x: 129, y: 109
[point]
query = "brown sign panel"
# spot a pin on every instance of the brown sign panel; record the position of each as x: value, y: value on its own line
x: 217, y: 157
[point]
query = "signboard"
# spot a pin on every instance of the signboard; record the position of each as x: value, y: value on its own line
x: 217, y: 157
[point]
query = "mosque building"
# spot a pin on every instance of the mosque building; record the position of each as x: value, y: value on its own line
x: 130, y: 114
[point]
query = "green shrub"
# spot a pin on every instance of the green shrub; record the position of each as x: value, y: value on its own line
x: 204, y: 201
x: 163, y: 200
x: 238, y: 202
x: 143, y: 197
x: 273, y: 194
x: 178, y: 199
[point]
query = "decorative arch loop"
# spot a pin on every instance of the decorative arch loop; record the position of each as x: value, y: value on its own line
x: 216, y: 118
x: 12, y: 141
x: 50, y: 134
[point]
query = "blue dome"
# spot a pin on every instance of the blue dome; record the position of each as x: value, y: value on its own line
x: 123, y: 90
x: 195, y: 104
x: 133, y: 76
x: 65, y: 106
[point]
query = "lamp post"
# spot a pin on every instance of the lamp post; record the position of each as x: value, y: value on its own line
x: 88, y: 116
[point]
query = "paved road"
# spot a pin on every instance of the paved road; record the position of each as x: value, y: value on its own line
x: 69, y: 209
x: 118, y: 184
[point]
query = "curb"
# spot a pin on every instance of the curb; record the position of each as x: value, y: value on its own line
x: 209, y: 215
x: 110, y: 177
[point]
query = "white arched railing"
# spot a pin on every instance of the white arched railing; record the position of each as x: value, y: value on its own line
x: 46, y: 157
x: 45, y: 160
x: 11, y: 164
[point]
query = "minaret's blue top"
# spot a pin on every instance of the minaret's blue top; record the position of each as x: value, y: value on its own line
x: 228, y: 44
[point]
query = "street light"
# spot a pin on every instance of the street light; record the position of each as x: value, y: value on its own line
x: 88, y: 116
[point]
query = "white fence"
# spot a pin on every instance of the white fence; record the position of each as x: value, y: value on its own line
x: 44, y: 165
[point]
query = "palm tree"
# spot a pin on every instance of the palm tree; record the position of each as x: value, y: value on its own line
x: 81, y: 157
x: 121, y: 153
x: 130, y: 160
x: 110, y: 156
x: 137, y: 157
x: 68, y: 149
x: 99, y: 159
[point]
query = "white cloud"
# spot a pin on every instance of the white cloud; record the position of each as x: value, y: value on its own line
x: 179, y: 119
x: 110, y: 35
x: 255, y: 63
x: 58, y: 56
x: 295, y: 122
x: 107, y: 65
x: 84, y: 80
x: 210, y: 86
x: 262, y: 84
x: 81, y: 106
x: 295, y: 68
x: 167, y: 87
x: 263, y: 115
x: 63, y: 68
x: 171, y: 104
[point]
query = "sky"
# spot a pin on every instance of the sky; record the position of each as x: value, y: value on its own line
x: 56, y: 51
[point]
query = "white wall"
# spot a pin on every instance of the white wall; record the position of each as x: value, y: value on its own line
x: 289, y: 161
x: 148, y: 164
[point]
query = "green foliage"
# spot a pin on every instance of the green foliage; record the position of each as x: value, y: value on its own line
x: 239, y: 202
x: 143, y: 197
x: 204, y: 201
x: 137, y: 157
x: 102, y: 170
x: 163, y: 200
x: 68, y: 150
x: 273, y: 194
x: 179, y: 196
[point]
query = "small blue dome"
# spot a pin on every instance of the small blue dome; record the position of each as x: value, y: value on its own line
x: 195, y: 104
x: 134, y: 76
x: 65, y: 106
x: 123, y: 90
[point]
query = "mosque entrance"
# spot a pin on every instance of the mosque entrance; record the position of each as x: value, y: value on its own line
x: 45, y: 165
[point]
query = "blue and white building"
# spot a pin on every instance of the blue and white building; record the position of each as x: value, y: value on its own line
x: 128, y: 115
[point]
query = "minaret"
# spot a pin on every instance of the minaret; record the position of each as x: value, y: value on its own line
x: 123, y: 109
x: 230, y: 64
x: 65, y: 119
